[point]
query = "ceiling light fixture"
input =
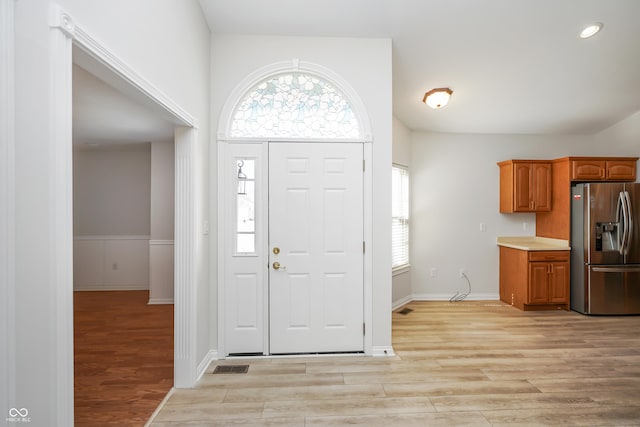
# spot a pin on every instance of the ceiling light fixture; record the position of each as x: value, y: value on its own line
x: 437, y: 98
x: 590, y: 30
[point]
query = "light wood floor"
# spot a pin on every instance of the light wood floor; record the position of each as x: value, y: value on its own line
x: 123, y: 357
x: 456, y: 364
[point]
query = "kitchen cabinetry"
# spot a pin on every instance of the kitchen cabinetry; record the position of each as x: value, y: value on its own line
x: 534, y: 280
x: 525, y: 186
x: 557, y: 222
x: 603, y: 169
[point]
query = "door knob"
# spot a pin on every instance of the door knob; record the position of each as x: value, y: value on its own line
x: 277, y: 266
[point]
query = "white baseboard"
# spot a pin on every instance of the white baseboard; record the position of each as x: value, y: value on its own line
x: 204, y: 364
x: 112, y: 288
x: 153, y: 301
x: 447, y: 297
x: 397, y: 304
x: 382, y: 351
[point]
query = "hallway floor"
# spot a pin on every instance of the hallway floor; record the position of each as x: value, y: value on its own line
x: 457, y: 364
x: 123, y: 357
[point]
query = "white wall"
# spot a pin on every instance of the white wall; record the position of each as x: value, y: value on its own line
x: 162, y: 190
x: 112, y: 191
x: 455, y: 183
x: 235, y: 57
x: 7, y: 141
x: 111, y: 217
x: 623, y: 136
x: 161, y: 245
x: 171, y: 51
x: 401, y: 284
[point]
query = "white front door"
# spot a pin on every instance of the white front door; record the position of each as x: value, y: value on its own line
x: 316, y: 237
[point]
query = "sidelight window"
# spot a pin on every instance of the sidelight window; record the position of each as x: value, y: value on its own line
x: 245, y: 206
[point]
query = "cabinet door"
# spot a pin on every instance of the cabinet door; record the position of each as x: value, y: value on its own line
x: 559, y: 282
x: 523, y: 176
x: 538, y: 292
x: 587, y: 170
x: 621, y: 170
x: 541, y: 187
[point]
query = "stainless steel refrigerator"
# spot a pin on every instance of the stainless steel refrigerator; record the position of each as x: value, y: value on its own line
x: 605, y: 248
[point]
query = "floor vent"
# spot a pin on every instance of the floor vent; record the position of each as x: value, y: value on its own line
x: 405, y: 311
x: 231, y: 369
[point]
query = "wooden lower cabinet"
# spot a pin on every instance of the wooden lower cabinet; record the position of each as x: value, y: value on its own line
x: 534, y: 280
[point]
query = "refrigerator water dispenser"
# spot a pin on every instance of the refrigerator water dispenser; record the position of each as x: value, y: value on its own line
x: 607, y: 237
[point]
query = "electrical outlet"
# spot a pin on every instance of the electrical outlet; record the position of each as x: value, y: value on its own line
x: 461, y: 272
x: 525, y: 226
x: 434, y: 272
x: 483, y: 226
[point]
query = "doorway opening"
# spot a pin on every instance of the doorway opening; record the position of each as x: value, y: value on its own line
x: 123, y: 230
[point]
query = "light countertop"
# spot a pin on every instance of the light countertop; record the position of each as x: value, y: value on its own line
x: 533, y: 243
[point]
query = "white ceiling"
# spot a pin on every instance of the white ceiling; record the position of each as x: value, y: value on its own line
x: 515, y: 66
x: 104, y: 116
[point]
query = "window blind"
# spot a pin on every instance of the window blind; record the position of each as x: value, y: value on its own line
x: 399, y: 216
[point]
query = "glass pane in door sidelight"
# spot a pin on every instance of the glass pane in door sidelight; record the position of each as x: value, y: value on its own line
x: 245, y: 206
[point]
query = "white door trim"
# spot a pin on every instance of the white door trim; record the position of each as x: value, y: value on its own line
x: 61, y: 251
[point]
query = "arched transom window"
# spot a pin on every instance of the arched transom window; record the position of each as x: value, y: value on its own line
x: 295, y: 105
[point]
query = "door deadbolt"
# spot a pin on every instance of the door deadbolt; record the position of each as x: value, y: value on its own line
x: 276, y: 251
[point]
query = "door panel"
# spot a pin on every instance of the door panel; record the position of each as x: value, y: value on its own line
x: 316, y: 222
x: 558, y: 285
x: 538, y: 283
x: 524, y: 186
x: 542, y: 187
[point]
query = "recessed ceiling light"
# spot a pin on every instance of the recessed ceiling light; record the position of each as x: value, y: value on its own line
x: 590, y: 30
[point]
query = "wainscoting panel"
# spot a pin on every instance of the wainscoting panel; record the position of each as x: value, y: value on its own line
x: 161, y: 272
x: 110, y: 263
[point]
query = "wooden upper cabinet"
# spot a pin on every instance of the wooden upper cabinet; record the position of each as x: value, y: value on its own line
x: 603, y: 169
x: 621, y: 170
x: 587, y: 170
x: 525, y: 186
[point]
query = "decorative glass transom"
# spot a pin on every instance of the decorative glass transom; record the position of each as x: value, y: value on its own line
x: 295, y: 105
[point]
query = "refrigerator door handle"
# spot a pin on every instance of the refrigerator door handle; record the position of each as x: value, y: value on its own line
x: 629, y: 225
x: 621, y: 222
x: 616, y: 269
